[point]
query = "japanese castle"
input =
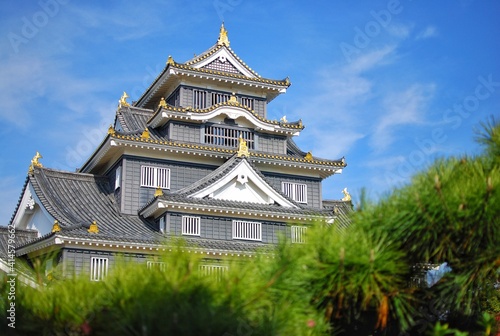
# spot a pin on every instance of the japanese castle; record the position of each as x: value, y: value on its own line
x: 194, y: 157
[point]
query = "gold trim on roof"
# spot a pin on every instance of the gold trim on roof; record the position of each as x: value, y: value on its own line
x: 56, y: 227
x: 123, y: 100
x: 242, y: 148
x: 308, y: 157
x: 347, y: 196
x: 170, y: 60
x: 162, y: 103
x: 93, y: 228
x: 158, y: 192
x: 111, y: 130
x: 145, y: 134
x: 223, y: 39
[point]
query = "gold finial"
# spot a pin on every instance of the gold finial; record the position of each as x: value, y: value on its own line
x: 309, y: 156
x: 300, y: 123
x: 93, y: 228
x: 170, y: 60
x: 283, y: 119
x: 158, y: 192
x: 56, y: 227
x: 242, y: 148
x: 145, y: 134
x: 35, y: 163
x: 162, y: 103
x: 347, y: 196
x: 223, y: 40
x: 287, y: 81
x: 111, y: 130
x: 123, y: 100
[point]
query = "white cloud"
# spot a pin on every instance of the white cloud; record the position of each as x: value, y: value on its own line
x: 401, y: 108
x: 428, y: 32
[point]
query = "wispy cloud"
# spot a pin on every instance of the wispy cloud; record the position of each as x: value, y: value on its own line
x: 428, y: 32
x: 401, y: 108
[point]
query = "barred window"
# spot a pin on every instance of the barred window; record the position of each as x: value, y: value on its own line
x: 190, y: 225
x: 159, y: 265
x: 199, y: 99
x: 247, y: 230
x: 219, y: 98
x: 296, y: 191
x: 248, y: 102
x: 228, y: 137
x: 216, y: 271
x: 98, y: 268
x: 155, y: 177
x: 298, y: 234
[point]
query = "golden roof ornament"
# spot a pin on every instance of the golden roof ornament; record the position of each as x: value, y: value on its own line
x: 223, y: 39
x: 242, y: 148
x: 170, y: 60
x: 93, y: 228
x: 347, y: 196
x: 145, y: 134
x: 283, y: 119
x: 158, y: 192
x: 56, y: 227
x: 123, y: 100
x: 162, y: 103
x: 309, y: 156
x: 35, y: 163
x: 111, y: 130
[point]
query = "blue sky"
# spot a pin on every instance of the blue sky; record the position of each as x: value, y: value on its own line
x: 390, y: 85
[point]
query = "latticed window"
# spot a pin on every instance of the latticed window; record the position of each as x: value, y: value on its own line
x: 247, y: 230
x: 298, y: 234
x: 216, y: 271
x: 228, y: 137
x: 191, y: 225
x: 296, y: 191
x: 98, y: 268
x: 248, y: 102
x: 199, y: 99
x: 159, y: 265
x: 155, y: 177
x: 219, y: 98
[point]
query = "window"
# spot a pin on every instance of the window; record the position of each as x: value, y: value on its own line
x: 162, y: 225
x: 298, y: 234
x: 216, y: 271
x: 155, y: 177
x: 199, y: 99
x: 158, y: 265
x: 247, y: 230
x: 296, y: 191
x: 228, y: 137
x: 118, y: 177
x: 190, y: 225
x: 248, y: 102
x: 98, y: 268
x: 219, y: 98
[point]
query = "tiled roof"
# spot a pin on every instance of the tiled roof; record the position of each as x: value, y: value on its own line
x: 291, y: 125
x: 77, y: 199
x: 133, y: 118
x: 343, y: 210
x: 20, y: 237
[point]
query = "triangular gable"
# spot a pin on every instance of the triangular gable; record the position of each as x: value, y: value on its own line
x: 224, y: 59
x: 242, y: 183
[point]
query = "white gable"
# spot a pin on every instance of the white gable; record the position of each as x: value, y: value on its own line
x: 223, y: 55
x: 245, y: 185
